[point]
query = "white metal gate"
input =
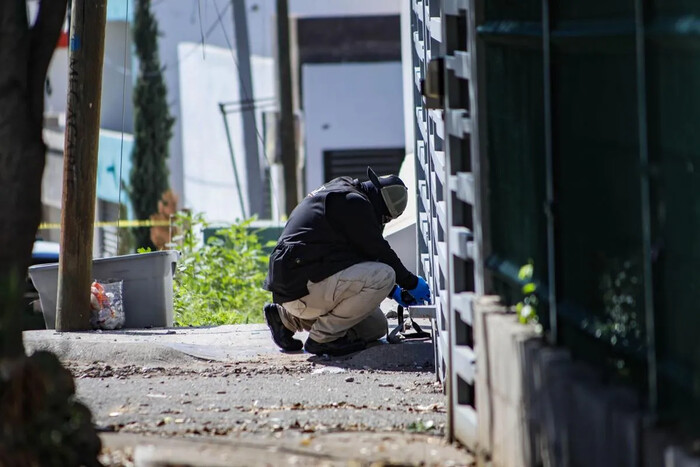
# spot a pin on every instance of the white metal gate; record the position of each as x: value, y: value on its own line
x: 448, y: 173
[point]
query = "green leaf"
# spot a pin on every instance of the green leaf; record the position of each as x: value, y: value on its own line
x: 529, y: 288
x: 527, y: 314
x: 526, y: 271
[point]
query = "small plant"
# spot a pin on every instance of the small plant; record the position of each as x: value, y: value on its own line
x: 419, y: 426
x: 621, y: 290
x: 527, y: 308
x: 221, y: 281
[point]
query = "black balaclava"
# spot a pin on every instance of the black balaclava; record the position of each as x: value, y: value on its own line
x: 380, y: 210
x: 374, y: 189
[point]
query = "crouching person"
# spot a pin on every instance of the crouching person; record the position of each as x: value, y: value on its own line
x: 332, y: 267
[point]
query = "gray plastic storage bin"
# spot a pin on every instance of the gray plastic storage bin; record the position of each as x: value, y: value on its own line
x: 147, y: 288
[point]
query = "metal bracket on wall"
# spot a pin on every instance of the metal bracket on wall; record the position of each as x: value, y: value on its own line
x: 433, y: 86
x: 422, y: 311
x: 452, y: 7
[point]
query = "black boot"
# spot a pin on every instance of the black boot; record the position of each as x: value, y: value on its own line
x: 342, y: 346
x: 283, y: 337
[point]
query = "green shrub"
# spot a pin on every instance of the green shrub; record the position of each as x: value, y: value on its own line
x: 220, y: 282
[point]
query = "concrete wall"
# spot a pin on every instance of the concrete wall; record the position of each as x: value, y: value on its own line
x: 117, y: 79
x: 52, y: 178
x: 180, y: 22
x: 537, y: 406
x: 210, y: 184
x: 350, y: 106
x: 408, y: 76
x: 310, y: 8
x: 114, y: 159
x: 57, y: 77
x: 183, y: 22
x: 187, y: 22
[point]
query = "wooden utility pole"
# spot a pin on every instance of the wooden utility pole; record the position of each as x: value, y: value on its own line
x: 86, y: 53
x: 284, y: 78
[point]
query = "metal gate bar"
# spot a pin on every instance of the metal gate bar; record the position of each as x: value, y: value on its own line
x: 450, y: 237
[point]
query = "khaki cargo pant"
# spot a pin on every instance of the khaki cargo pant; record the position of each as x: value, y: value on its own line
x: 345, y: 303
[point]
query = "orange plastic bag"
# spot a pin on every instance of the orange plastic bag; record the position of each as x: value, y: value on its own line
x: 106, y: 307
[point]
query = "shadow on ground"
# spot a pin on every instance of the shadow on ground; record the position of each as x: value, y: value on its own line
x: 413, y: 356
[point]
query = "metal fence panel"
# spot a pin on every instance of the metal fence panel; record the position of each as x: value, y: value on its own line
x: 567, y: 140
x: 448, y: 197
x: 673, y: 96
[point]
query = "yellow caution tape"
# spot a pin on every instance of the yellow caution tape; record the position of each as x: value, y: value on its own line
x: 120, y: 224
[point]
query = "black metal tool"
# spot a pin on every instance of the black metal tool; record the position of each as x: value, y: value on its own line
x: 399, y: 333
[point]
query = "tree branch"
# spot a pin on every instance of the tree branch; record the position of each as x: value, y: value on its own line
x: 44, y: 37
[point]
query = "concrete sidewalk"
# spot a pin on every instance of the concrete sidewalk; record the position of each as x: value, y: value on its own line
x: 146, y: 346
x: 227, y: 343
x: 230, y: 343
x: 126, y: 398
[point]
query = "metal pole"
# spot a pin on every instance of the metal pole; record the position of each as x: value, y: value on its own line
x: 87, y: 32
x: 646, y: 210
x: 250, y: 137
x: 233, y: 162
x: 284, y: 75
x: 549, y: 162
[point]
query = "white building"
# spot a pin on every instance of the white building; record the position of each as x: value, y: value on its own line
x: 349, y: 96
x: 347, y: 85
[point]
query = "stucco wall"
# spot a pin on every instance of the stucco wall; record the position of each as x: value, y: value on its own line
x: 350, y: 106
x: 210, y: 184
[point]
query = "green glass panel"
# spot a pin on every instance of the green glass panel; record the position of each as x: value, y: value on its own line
x: 525, y: 10
x: 674, y: 144
x: 593, y: 10
x: 597, y: 179
x: 517, y: 175
x: 684, y: 8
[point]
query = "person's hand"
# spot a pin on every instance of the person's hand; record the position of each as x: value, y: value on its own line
x: 421, y: 292
x: 398, y: 298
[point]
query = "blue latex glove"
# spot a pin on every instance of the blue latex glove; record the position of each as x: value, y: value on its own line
x: 396, y: 295
x: 421, y: 292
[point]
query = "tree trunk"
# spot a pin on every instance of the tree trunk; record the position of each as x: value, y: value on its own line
x: 22, y: 163
x: 25, y: 55
x: 41, y: 419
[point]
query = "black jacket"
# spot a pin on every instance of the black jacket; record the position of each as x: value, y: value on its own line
x: 334, y: 227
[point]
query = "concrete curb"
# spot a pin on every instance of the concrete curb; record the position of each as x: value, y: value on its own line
x: 342, y: 449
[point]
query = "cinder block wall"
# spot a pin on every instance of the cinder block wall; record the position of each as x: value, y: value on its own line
x: 538, y: 407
